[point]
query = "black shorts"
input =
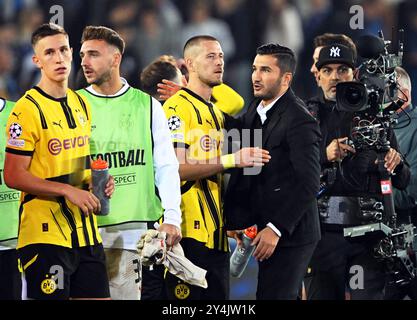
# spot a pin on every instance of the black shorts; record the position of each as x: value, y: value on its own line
x: 10, y: 281
x: 218, y: 269
x: 54, y: 272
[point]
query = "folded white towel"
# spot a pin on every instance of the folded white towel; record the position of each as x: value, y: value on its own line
x: 153, y: 250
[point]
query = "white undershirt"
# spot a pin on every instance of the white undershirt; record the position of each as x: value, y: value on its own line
x: 262, y: 110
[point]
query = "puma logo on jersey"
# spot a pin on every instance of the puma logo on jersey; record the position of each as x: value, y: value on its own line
x: 57, y: 124
x: 16, y: 115
x: 210, y: 122
x: 173, y: 108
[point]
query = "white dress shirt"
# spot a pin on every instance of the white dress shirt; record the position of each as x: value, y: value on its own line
x: 262, y: 110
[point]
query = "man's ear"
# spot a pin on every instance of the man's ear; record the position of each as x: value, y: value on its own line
x: 117, y: 59
x: 36, y: 61
x: 287, y: 79
x: 189, y: 64
x: 355, y: 74
x: 406, y: 93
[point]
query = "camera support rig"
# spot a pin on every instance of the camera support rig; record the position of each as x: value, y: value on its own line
x: 394, y: 244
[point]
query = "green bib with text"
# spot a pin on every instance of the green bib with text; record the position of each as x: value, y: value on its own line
x: 9, y: 198
x: 121, y: 134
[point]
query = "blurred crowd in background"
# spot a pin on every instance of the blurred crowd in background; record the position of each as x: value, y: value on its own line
x: 154, y: 27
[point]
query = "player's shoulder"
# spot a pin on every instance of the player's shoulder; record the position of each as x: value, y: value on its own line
x: 30, y: 101
x: 74, y: 94
x: 173, y: 99
x: 227, y: 99
x: 176, y: 100
x: 183, y: 99
x: 78, y: 98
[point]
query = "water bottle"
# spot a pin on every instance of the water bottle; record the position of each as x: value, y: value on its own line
x: 241, y: 255
x: 100, y: 176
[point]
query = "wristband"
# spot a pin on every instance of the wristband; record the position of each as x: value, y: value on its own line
x: 228, y: 161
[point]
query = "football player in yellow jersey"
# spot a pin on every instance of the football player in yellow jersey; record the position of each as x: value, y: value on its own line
x: 225, y: 98
x: 47, y: 158
x: 197, y: 133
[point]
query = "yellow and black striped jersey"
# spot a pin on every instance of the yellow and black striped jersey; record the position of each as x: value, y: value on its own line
x: 198, y: 125
x: 55, y: 133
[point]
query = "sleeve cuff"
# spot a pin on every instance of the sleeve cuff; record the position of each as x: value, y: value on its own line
x: 181, y: 145
x: 228, y: 161
x: 19, y: 152
x: 173, y: 217
x: 274, y: 229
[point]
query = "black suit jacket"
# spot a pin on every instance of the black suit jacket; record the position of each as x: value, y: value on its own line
x: 284, y: 193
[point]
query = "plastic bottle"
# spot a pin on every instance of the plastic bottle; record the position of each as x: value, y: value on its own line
x: 241, y: 255
x: 100, y: 176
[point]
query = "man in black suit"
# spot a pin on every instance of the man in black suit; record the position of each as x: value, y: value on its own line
x: 281, y: 200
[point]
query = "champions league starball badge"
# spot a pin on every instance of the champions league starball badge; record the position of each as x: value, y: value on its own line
x: 174, y: 123
x: 15, y: 131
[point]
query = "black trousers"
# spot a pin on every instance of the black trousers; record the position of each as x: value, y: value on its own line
x: 339, y: 268
x: 281, y: 275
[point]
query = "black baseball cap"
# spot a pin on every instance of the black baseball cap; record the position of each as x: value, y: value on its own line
x: 335, y: 53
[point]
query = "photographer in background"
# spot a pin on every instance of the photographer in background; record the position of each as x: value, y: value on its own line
x: 405, y: 200
x: 334, y: 255
x: 406, y: 132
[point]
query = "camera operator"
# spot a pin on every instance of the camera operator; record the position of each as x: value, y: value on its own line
x: 334, y: 256
x: 326, y: 39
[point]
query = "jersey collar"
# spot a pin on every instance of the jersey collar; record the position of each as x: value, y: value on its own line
x: 49, y: 96
x: 122, y: 91
x: 195, y: 95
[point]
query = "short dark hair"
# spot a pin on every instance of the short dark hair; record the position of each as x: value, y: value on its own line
x: 327, y: 39
x: 154, y: 73
x: 46, y: 30
x: 285, y: 56
x: 166, y: 58
x: 197, y: 39
x: 103, y: 33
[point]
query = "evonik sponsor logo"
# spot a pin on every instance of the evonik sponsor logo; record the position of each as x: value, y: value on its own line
x: 55, y: 145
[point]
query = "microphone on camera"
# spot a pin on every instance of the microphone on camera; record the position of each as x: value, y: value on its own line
x: 370, y: 47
